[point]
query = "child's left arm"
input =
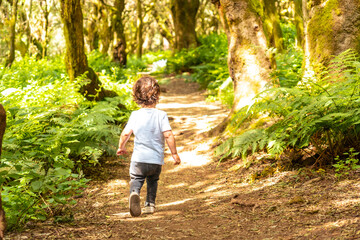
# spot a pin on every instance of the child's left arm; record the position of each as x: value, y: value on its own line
x: 124, y: 137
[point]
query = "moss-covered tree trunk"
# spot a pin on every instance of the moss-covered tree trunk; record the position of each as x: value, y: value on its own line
x: 28, y: 29
x: 11, y: 58
x: 139, y: 29
x: 299, y: 23
x: 332, y: 26
x: 75, y: 59
x: 249, y: 66
x: 222, y: 16
x: 165, y: 27
x: 46, y: 12
x: 184, y: 17
x: 271, y: 25
x: 92, y: 33
x: 106, y: 34
x: 119, y: 51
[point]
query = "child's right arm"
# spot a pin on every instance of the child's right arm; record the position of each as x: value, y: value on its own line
x: 125, y: 135
x: 170, y: 140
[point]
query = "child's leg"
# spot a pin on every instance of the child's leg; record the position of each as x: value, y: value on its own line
x: 152, y: 182
x: 137, y: 176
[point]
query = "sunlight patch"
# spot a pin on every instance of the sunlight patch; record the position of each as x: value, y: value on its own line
x: 177, y: 185
x: 347, y: 202
x: 190, y: 159
x: 175, y: 203
x: 212, y: 188
x: 199, y: 184
x: 272, y: 181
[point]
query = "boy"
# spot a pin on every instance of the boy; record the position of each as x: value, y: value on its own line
x: 151, y: 128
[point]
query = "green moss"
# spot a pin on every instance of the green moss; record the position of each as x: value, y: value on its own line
x: 321, y: 34
x: 357, y: 47
x: 257, y: 7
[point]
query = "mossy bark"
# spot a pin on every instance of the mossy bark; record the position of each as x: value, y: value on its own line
x: 164, y: 25
x: 92, y: 33
x: 119, y: 51
x: 139, y: 29
x: 249, y: 66
x: 75, y: 59
x: 299, y: 23
x: 106, y: 34
x: 184, y: 17
x: 46, y: 39
x: 333, y: 27
x: 271, y: 23
x: 222, y: 16
x: 11, y: 58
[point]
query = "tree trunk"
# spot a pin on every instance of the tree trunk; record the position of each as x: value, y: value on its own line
x: 222, y: 16
x: 299, y: 24
x: 92, y: 34
x: 12, y: 33
x: 184, y: 16
x: 119, y: 51
x: 163, y: 24
x: 106, y: 34
x: 139, y: 29
x: 272, y: 26
x: 28, y: 29
x: 332, y: 27
x: 2, y: 130
x: 45, y: 27
x: 75, y: 59
x: 249, y: 67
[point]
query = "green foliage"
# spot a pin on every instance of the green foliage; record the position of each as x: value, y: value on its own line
x: 288, y: 70
x: 289, y: 34
x: 345, y: 166
x: 208, y: 65
x: 136, y: 64
x: 320, y: 117
x: 52, y: 133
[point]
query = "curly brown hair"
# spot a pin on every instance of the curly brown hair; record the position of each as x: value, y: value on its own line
x: 146, y: 91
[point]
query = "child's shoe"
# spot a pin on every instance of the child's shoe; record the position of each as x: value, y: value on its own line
x: 149, y: 208
x: 134, y: 204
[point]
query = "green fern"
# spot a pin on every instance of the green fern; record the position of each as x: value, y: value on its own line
x: 322, y: 112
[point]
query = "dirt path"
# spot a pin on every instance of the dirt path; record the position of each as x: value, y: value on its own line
x: 198, y: 200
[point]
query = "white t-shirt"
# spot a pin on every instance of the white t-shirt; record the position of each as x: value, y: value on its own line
x: 148, y: 125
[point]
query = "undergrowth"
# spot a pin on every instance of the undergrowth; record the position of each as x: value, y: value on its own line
x: 319, y: 119
x: 53, y: 133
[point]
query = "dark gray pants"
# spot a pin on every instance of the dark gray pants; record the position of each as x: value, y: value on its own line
x: 141, y: 171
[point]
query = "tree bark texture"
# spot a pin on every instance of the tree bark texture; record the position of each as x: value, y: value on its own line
x: 92, y: 34
x: 139, y: 29
x: 249, y: 66
x: 119, y: 51
x: 45, y: 9
x: 184, y: 16
x: 2, y: 131
x: 12, y: 33
x: 222, y: 16
x: 164, y: 25
x: 28, y: 28
x: 272, y: 25
x: 299, y: 23
x: 333, y: 26
x: 75, y: 59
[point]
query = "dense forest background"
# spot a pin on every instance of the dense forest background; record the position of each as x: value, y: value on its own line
x: 288, y: 71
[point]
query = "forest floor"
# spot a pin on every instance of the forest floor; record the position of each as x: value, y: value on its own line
x: 201, y: 199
